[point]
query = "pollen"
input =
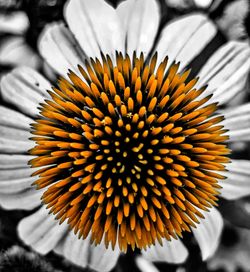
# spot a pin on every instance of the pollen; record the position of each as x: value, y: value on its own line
x: 128, y: 153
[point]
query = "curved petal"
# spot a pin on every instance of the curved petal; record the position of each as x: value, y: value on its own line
x: 172, y: 251
x: 25, y: 88
x: 12, y: 118
x: 96, y: 26
x: 24, y: 200
x: 140, y: 19
x: 208, y: 232
x: 82, y: 253
x: 226, y: 72
x: 59, y: 48
x: 15, y: 51
x: 41, y: 231
x: 184, y: 39
x: 237, y: 184
x: 237, y: 121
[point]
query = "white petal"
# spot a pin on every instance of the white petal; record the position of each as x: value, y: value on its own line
x: 12, y: 146
x: 15, y: 51
x: 208, y: 232
x: 96, y: 26
x: 203, y: 3
x: 140, y: 19
x: 59, y: 48
x: 6, y: 174
x: 237, y: 184
x: 24, y: 200
x: 172, y: 251
x: 237, y: 121
x: 15, y: 185
x: 184, y: 39
x: 25, y: 88
x: 145, y: 265
x: 14, y: 140
x: 15, y: 23
x: 41, y: 231
x: 14, y: 119
x: 15, y: 180
x: 82, y: 253
x: 74, y: 249
x: 102, y: 258
x: 226, y: 71
x: 14, y: 133
x: 12, y: 161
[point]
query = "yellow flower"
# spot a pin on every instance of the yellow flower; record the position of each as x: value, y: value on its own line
x: 127, y: 143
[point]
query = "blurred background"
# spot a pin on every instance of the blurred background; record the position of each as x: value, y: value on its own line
x: 21, y: 22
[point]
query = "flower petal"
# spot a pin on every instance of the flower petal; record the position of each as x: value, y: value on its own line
x: 226, y: 72
x: 172, y: 251
x: 208, y: 232
x: 15, y: 133
x: 25, y: 88
x: 237, y: 184
x: 12, y: 161
x: 140, y: 19
x: 10, y: 146
x: 25, y: 200
x: 11, y: 118
x: 145, y: 265
x: 16, y: 179
x: 178, y: 39
x: 15, y: 51
x: 82, y: 253
x: 41, y: 231
x: 60, y: 49
x: 15, y: 185
x: 74, y: 249
x: 13, y: 140
x: 237, y: 121
x: 96, y: 26
x: 15, y: 174
x: 103, y: 259
x: 14, y: 22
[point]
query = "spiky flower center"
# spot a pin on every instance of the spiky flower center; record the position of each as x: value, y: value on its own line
x: 128, y: 152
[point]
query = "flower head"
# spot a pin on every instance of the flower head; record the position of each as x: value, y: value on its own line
x: 127, y: 151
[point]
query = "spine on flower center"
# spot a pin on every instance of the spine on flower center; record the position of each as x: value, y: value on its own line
x: 128, y: 152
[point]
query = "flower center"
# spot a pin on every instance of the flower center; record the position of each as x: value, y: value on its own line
x: 128, y: 152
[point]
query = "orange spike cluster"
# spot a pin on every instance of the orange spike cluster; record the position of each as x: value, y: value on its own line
x: 128, y: 153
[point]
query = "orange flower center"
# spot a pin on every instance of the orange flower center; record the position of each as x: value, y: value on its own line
x: 128, y: 152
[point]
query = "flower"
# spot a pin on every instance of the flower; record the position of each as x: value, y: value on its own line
x: 100, y: 118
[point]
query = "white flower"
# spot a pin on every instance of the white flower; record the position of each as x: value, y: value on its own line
x: 95, y: 26
x: 14, y: 50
